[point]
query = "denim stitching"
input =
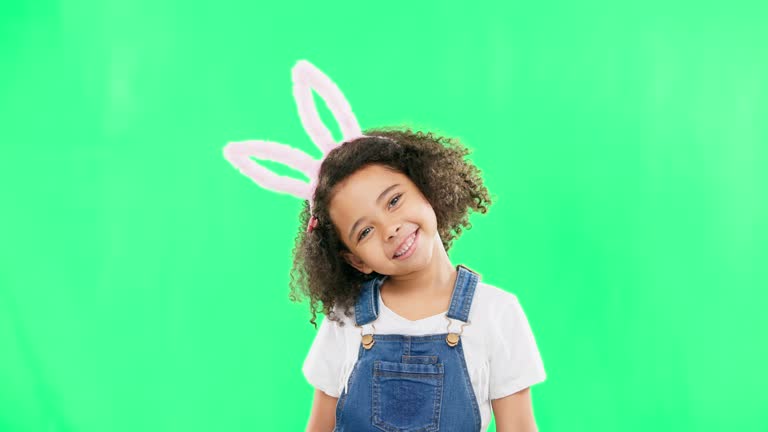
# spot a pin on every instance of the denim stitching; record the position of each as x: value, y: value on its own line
x: 461, y: 311
x: 468, y: 382
x: 457, y: 292
x: 469, y: 296
x: 432, y: 359
x: 343, y: 399
x: 376, y: 419
x: 460, y: 303
x: 366, y: 306
x: 436, y: 407
x: 372, y: 299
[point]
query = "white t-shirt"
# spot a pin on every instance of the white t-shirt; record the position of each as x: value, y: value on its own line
x: 499, y: 347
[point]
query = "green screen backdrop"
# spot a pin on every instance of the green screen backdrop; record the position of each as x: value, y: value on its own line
x: 144, y: 281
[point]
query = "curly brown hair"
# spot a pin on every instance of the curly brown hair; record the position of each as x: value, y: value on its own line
x: 436, y: 165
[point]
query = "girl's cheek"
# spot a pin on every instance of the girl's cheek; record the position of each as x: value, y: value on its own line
x: 426, y: 208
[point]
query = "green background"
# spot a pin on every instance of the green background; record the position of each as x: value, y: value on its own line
x: 143, y: 284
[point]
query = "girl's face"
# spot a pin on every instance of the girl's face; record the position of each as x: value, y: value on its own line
x: 385, y: 221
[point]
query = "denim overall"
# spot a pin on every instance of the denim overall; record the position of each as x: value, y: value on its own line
x: 410, y: 383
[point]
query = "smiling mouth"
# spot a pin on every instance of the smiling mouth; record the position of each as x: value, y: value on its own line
x: 407, y: 246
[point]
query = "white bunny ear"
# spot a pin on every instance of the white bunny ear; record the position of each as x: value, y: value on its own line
x: 306, y: 77
x: 239, y: 154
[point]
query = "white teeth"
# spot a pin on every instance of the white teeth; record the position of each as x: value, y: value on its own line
x: 406, y: 246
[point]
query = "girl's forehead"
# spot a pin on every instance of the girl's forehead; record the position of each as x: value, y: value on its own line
x: 363, y: 191
x: 370, y: 180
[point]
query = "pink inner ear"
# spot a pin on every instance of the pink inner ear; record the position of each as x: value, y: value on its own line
x: 306, y: 77
x: 239, y: 154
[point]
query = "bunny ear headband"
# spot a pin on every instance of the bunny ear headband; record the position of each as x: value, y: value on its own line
x: 306, y: 77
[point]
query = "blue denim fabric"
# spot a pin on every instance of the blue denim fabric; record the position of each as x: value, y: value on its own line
x: 410, y: 383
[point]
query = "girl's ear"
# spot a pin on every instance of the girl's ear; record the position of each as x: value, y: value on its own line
x: 356, y: 262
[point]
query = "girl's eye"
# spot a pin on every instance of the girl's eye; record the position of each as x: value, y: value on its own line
x: 363, y: 233
x: 395, y: 200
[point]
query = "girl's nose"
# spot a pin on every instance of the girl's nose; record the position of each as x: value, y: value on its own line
x: 393, y: 230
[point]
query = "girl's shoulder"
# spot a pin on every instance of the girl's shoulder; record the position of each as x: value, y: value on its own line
x: 493, y: 296
x: 491, y: 303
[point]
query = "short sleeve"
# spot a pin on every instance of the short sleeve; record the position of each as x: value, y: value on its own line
x: 515, y: 362
x: 323, y: 364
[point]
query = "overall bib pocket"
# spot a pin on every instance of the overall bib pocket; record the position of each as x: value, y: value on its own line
x: 407, y: 396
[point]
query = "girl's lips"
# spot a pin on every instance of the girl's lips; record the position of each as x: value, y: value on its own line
x: 410, y: 250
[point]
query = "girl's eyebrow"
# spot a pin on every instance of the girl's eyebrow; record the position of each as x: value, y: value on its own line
x: 357, y: 222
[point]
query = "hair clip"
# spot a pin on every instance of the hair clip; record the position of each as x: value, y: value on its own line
x: 306, y: 78
x: 312, y: 224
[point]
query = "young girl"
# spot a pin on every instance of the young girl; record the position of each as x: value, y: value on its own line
x: 409, y: 342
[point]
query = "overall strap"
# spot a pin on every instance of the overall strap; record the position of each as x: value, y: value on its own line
x: 367, y: 305
x: 463, y: 293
